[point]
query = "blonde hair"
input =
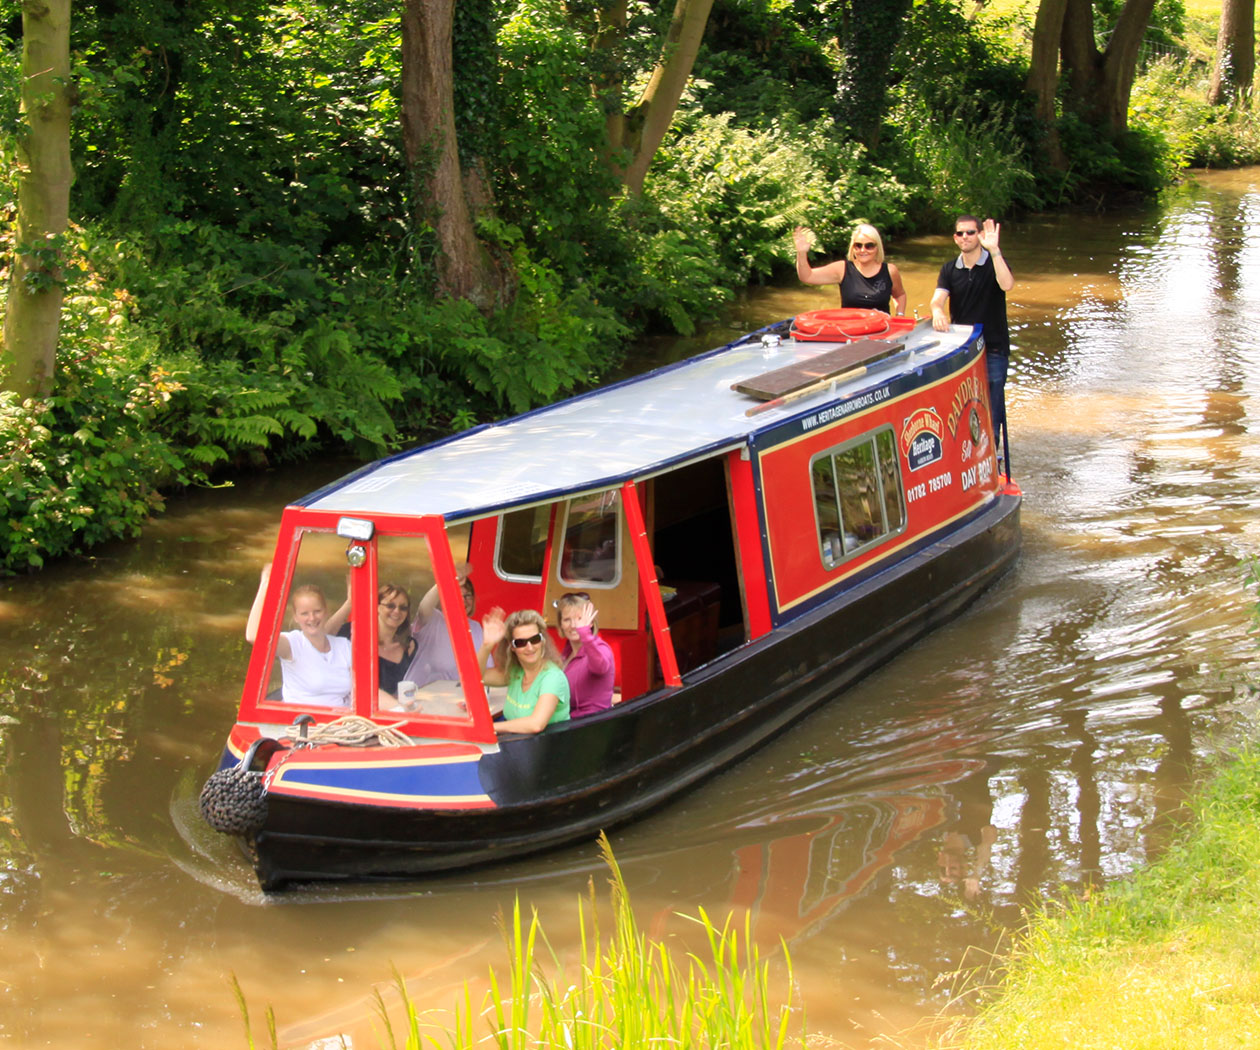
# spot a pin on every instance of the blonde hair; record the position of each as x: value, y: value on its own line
x: 305, y: 589
x: 505, y: 655
x: 873, y: 235
x: 569, y: 601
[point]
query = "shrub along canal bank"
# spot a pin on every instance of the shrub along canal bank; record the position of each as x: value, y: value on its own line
x: 1166, y: 958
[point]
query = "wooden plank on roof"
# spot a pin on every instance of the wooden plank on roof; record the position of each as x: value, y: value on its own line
x: 818, y: 369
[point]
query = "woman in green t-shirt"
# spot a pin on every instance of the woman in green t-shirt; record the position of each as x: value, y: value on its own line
x: 527, y: 662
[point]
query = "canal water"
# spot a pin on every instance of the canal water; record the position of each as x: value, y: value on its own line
x: 1040, y: 746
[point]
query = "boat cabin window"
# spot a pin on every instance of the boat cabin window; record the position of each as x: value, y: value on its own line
x: 340, y: 622
x: 313, y: 677
x: 413, y: 631
x: 858, y: 497
x: 521, y: 545
x: 592, y: 540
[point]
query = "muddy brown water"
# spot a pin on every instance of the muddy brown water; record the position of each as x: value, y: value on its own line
x: 1042, y: 744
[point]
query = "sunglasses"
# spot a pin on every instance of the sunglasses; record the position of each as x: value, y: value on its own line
x: 868, y: 245
x: 520, y: 643
x: 395, y: 608
x: 965, y: 233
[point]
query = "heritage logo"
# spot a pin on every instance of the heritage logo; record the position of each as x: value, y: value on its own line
x: 921, y: 438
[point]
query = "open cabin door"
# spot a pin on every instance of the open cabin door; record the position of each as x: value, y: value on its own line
x: 590, y: 551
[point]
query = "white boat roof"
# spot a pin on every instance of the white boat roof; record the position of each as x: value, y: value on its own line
x: 599, y: 439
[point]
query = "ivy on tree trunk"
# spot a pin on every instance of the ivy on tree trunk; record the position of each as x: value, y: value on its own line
x: 449, y: 194
x: 872, y: 29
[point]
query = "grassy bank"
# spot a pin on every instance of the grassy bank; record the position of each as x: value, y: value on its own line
x: 1168, y: 958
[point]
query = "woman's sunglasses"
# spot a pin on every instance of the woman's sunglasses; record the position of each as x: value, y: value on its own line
x: 395, y: 608
x: 868, y: 245
x: 520, y: 643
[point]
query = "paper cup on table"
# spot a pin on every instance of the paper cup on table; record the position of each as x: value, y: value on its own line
x: 407, y: 695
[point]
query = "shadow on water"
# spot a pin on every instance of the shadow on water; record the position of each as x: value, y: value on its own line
x: 1042, y: 744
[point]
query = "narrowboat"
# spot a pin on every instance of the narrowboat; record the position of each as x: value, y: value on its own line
x: 758, y: 527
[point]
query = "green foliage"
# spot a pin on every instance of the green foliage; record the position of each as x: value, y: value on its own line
x: 84, y: 466
x: 1169, y: 100
x: 945, y: 59
x: 973, y: 163
x: 1138, y: 162
x: 554, y: 183
x: 743, y: 191
x: 549, y: 341
x: 1165, y: 29
x: 239, y: 115
x: 873, y: 30
x: 764, y: 62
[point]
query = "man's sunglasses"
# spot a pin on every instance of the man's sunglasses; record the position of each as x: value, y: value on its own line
x: 965, y: 233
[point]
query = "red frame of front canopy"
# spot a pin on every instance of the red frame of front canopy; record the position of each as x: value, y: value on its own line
x: 432, y: 527
x: 254, y: 705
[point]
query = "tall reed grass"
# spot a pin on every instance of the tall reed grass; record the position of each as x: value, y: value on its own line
x: 625, y: 992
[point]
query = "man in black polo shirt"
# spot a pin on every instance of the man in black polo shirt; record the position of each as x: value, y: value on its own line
x: 975, y: 285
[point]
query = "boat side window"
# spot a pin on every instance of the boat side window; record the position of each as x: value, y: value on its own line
x: 521, y: 545
x: 858, y: 497
x: 592, y: 540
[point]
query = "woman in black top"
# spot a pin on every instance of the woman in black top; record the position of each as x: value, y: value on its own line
x: 395, y: 645
x: 866, y: 280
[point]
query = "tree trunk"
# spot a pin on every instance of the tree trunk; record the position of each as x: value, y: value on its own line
x: 1100, y: 82
x: 1043, y: 72
x: 36, y: 283
x: 465, y: 270
x: 1120, y: 60
x: 1080, y: 57
x: 649, y: 120
x: 1043, y: 66
x: 1235, y: 66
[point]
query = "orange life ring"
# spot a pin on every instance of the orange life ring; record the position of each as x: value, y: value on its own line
x: 841, y: 325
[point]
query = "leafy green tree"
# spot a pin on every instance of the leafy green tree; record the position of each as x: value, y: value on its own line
x: 648, y: 120
x: 630, y: 48
x: 37, y: 276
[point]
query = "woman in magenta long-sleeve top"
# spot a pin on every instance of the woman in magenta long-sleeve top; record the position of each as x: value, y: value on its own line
x: 587, y: 658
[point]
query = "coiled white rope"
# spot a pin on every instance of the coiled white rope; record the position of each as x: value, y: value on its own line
x: 357, y: 731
